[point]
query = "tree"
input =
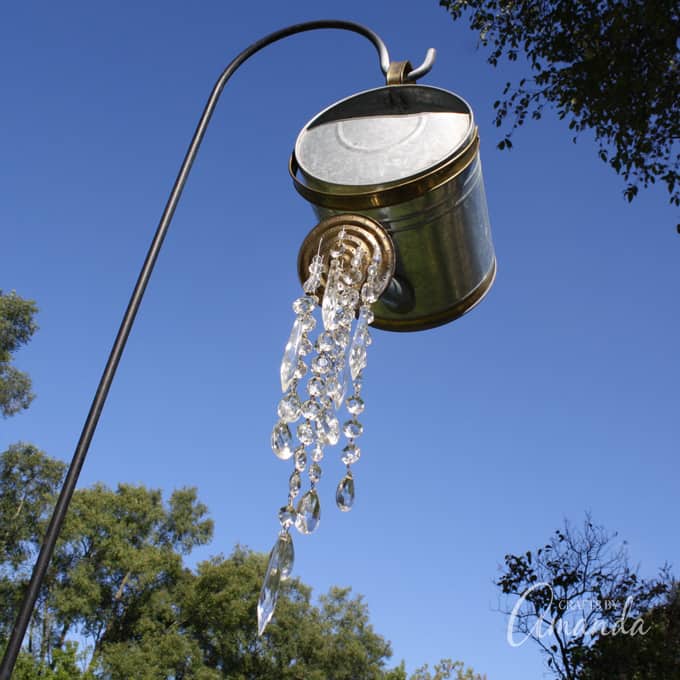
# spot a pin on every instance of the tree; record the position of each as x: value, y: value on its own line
x: 576, y: 594
x: 608, y: 66
x: 119, y: 603
x: 16, y: 328
x: 653, y: 656
x: 445, y: 669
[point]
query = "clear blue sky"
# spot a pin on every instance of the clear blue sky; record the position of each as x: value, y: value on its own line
x: 555, y: 396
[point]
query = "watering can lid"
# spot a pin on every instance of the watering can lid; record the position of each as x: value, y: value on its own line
x: 383, y: 136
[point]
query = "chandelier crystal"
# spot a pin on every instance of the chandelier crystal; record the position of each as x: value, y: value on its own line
x: 318, y: 374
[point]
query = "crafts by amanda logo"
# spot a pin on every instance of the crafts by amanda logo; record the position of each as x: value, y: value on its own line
x: 558, y: 618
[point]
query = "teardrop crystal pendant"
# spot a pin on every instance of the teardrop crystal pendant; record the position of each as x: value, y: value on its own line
x: 281, y: 441
x: 344, y: 494
x: 308, y: 513
x: 290, y: 354
x: 279, y: 567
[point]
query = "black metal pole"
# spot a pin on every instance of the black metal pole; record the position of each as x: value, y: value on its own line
x: 61, y: 507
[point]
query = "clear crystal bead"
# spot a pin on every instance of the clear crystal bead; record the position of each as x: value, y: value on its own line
x: 329, y: 429
x: 304, y: 305
x: 306, y: 347
x: 349, y: 298
x: 357, y: 259
x: 344, y: 494
x: 334, y: 391
x: 321, y: 364
x: 352, y: 429
x: 300, y: 370
x: 310, y: 409
x: 300, y: 458
x: 290, y: 355
x: 316, y: 266
x: 305, y: 433
x: 372, y: 270
x: 316, y: 386
x: 369, y: 293
x: 294, y: 483
x: 281, y: 441
x: 317, y: 452
x: 325, y: 342
x: 341, y: 337
x: 289, y: 408
x: 307, y: 322
x: 345, y: 317
x: 366, y: 313
x: 352, y: 277
x: 287, y: 516
x: 314, y: 473
x: 350, y: 454
x: 308, y: 513
x: 355, y: 405
x: 311, y: 284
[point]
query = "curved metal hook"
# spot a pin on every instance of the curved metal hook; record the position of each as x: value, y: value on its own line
x: 424, y: 68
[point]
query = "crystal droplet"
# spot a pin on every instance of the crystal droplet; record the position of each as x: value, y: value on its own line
x: 305, y: 433
x: 300, y: 370
x: 306, y: 347
x: 290, y: 355
x: 355, y: 405
x: 316, y: 266
x: 311, y: 409
x: 281, y: 440
x: 329, y: 429
x: 321, y: 364
x: 369, y: 293
x: 344, y: 494
x: 316, y: 386
x: 289, y: 408
x: 352, y: 429
x: 341, y: 337
x: 367, y: 314
x: 307, y: 322
x: 335, y: 391
x: 294, y: 483
x: 270, y: 590
x: 325, y: 342
x: 286, y: 555
x: 357, y: 351
x: 350, y: 454
x: 349, y: 298
x: 330, y: 301
x: 308, y: 513
x: 315, y: 473
x: 317, y: 452
x: 304, y: 305
x: 287, y: 516
x: 352, y: 276
x: 300, y: 458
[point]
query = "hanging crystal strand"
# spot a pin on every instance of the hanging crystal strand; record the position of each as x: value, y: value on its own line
x: 344, y: 495
x: 293, y: 369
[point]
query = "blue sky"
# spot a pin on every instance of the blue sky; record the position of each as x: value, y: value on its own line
x: 557, y: 395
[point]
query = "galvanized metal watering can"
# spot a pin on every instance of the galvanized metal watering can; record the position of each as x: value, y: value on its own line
x: 406, y: 156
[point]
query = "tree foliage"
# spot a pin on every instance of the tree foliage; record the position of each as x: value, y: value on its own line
x: 605, y: 65
x: 118, y: 587
x: 579, y: 600
x: 17, y: 325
